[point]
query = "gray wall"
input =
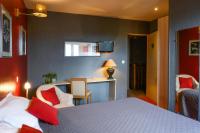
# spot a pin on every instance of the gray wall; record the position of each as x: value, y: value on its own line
x: 183, y: 14
x: 46, y: 46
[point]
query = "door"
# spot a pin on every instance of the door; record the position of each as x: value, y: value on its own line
x: 137, y: 60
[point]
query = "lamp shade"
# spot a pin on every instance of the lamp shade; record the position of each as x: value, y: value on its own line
x: 40, y: 10
x: 110, y: 63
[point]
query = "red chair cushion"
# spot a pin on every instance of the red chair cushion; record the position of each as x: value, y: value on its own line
x: 186, y: 82
x: 27, y: 129
x: 43, y: 111
x: 50, y: 95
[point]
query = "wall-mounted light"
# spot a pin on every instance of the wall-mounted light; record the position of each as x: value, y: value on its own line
x: 40, y: 10
x: 27, y: 86
x: 7, y: 87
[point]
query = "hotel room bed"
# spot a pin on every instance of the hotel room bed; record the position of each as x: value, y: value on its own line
x: 188, y: 102
x: 123, y: 116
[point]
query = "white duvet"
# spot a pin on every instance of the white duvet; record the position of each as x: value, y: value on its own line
x: 6, y: 128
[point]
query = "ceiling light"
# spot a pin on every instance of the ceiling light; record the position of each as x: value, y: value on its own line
x: 156, y: 9
x: 40, y: 10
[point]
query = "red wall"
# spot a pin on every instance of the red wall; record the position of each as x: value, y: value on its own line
x: 188, y: 64
x: 10, y: 68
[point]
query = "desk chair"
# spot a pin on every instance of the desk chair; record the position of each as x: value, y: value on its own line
x: 79, y: 89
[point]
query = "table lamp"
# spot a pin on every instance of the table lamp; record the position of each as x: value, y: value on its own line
x: 27, y: 86
x: 110, y: 64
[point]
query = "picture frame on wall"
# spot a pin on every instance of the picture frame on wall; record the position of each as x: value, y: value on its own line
x: 22, y: 41
x: 5, y: 33
x: 194, y: 46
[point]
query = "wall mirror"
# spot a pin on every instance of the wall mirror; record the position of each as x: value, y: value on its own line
x: 81, y: 49
x: 187, y: 78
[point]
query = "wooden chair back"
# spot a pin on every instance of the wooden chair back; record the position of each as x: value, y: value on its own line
x: 79, y: 87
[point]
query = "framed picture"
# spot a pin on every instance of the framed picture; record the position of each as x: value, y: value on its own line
x: 81, y: 49
x: 22, y: 41
x: 194, y: 46
x: 5, y: 33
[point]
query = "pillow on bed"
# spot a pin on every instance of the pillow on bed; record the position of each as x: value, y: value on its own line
x: 50, y: 95
x: 186, y: 82
x: 13, y: 111
x: 27, y: 129
x: 43, y: 111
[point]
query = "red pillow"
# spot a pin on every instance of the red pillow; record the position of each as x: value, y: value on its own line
x: 186, y: 82
x: 43, y: 111
x: 27, y: 129
x: 50, y: 95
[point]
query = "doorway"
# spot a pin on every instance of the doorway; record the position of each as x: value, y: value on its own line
x: 137, y: 65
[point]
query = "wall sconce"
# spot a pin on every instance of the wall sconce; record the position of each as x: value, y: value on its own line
x: 40, y: 10
x: 27, y: 86
x: 7, y: 87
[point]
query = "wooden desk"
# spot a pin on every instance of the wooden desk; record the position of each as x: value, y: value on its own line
x: 112, y: 85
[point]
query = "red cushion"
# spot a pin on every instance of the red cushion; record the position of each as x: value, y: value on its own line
x: 43, y: 111
x: 50, y: 95
x: 27, y: 129
x: 186, y: 82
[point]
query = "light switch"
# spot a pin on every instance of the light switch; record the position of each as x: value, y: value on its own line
x: 123, y: 61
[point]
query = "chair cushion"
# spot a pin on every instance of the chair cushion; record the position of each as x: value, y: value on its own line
x: 50, y: 95
x: 28, y: 129
x: 186, y: 82
x: 43, y: 111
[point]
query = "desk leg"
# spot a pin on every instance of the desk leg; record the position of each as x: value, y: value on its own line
x: 112, y: 90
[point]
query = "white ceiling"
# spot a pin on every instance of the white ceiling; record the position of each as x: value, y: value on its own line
x: 125, y: 9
